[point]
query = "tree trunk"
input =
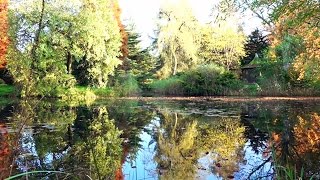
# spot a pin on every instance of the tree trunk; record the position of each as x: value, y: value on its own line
x: 37, y: 37
x: 69, y: 62
x: 175, y: 61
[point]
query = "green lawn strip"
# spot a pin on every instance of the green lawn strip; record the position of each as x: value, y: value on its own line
x: 6, y: 90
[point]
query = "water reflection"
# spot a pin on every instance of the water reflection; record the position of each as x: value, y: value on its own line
x: 159, y: 140
x: 176, y: 150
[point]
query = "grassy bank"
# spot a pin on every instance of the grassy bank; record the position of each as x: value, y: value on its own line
x: 7, y: 90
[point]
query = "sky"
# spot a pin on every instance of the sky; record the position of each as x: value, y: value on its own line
x: 143, y: 13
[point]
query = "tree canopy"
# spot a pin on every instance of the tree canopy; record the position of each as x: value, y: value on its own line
x: 177, y: 37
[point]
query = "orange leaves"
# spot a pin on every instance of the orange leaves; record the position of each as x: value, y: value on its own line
x: 4, y: 40
x: 300, y: 19
x: 307, y: 134
x: 124, y: 35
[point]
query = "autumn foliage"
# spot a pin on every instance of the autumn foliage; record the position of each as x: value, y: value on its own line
x: 6, y: 153
x: 124, y: 35
x: 4, y: 40
x: 300, y: 18
x: 308, y: 134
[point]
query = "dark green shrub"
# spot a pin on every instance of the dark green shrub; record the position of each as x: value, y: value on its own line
x: 208, y: 80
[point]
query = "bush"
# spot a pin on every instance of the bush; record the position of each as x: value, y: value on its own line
x: 210, y: 80
x: 205, y: 80
x: 126, y: 85
x: 76, y: 96
x: 199, y: 81
x: 170, y: 86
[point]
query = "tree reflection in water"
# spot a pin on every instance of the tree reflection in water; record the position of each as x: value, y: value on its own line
x: 182, y: 141
x: 83, y: 141
x: 302, y: 152
x: 176, y: 152
x: 293, y: 143
x: 224, y: 138
x: 44, y: 139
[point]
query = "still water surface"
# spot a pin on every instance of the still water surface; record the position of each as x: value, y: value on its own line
x: 160, y: 139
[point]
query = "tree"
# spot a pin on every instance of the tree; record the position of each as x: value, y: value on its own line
x: 100, y: 40
x: 295, y: 19
x: 141, y: 63
x: 123, y: 32
x: 255, y: 46
x: 299, y: 19
x: 261, y: 9
x: 40, y: 44
x: 177, y: 37
x: 223, y: 42
x: 48, y: 37
x: 4, y: 39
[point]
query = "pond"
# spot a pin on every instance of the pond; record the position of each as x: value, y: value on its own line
x: 159, y: 139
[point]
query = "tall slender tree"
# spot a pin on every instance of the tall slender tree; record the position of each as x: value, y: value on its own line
x: 124, y: 35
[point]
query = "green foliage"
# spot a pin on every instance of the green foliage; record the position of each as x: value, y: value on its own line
x: 210, y: 80
x: 100, y: 41
x: 48, y: 37
x: 126, y: 85
x: 273, y: 78
x: 141, y: 64
x: 201, y: 80
x: 170, y: 86
x: 222, y: 42
x: 277, y: 78
x: 6, y: 90
x: 38, y: 64
x: 177, y: 38
x: 103, y: 92
x: 288, y: 49
x: 256, y: 46
x: 205, y: 80
x: 76, y: 96
x: 251, y: 89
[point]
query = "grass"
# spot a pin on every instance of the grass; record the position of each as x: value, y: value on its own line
x: 6, y: 90
x: 35, y: 172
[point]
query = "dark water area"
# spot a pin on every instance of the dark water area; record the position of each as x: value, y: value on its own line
x: 160, y: 139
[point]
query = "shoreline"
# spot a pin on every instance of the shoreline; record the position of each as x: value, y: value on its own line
x: 220, y: 98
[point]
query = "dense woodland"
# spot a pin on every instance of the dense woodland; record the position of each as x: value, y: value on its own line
x: 81, y: 48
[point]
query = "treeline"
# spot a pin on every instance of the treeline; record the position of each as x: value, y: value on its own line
x: 53, y: 47
x: 218, y: 59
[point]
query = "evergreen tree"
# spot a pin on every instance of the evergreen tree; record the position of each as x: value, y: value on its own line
x: 255, y: 46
